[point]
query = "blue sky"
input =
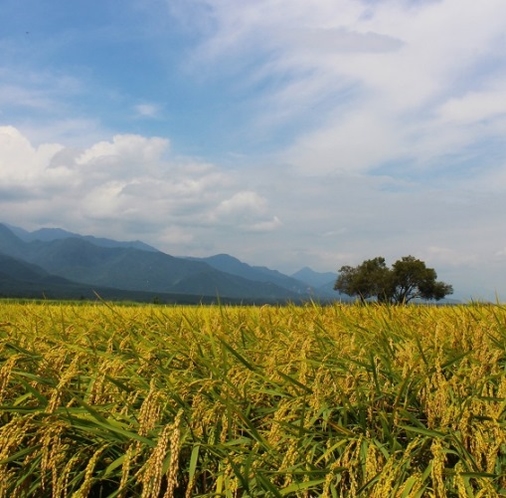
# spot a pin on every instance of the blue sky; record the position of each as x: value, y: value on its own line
x: 285, y: 132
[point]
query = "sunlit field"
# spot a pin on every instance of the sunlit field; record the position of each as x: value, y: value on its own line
x: 339, y: 401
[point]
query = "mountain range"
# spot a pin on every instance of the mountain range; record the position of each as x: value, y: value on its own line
x: 54, y: 263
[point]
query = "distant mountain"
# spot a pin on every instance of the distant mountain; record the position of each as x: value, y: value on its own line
x: 19, y: 279
x: 80, y: 261
x: 323, y: 283
x: 229, y: 264
x: 314, y: 278
x: 148, y: 271
x: 50, y: 234
x: 20, y: 270
x: 10, y: 244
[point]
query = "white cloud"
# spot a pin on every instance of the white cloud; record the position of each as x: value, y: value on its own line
x: 147, y: 110
x: 391, y: 80
x: 318, y: 41
x: 29, y: 94
x: 132, y: 147
x: 246, y: 210
x: 354, y: 143
x: 118, y: 187
x: 474, y: 106
x: 448, y: 257
x: 242, y: 204
x: 23, y: 165
x: 266, y: 226
x: 127, y: 156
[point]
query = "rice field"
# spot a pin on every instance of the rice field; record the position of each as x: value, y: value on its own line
x: 104, y: 400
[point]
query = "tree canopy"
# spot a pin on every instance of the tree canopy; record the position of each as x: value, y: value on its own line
x: 407, y: 279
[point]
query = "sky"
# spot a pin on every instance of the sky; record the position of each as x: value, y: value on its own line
x: 287, y: 133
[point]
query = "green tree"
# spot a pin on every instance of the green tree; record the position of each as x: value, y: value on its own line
x: 414, y: 280
x: 370, y: 279
x: 408, y: 279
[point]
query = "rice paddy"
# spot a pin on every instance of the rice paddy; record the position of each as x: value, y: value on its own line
x: 103, y: 400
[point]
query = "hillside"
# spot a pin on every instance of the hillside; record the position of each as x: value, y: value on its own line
x: 229, y: 264
x: 81, y: 261
x: 19, y: 279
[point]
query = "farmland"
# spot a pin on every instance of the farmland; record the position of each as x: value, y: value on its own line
x: 108, y: 400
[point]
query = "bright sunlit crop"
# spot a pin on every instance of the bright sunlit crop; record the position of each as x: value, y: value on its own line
x: 337, y: 401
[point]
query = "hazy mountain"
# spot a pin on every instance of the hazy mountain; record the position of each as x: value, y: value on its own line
x: 78, y: 260
x: 20, y: 270
x: 50, y: 234
x: 19, y: 279
x: 314, y: 278
x: 149, y: 271
x: 10, y: 244
x: 229, y: 264
x: 323, y: 283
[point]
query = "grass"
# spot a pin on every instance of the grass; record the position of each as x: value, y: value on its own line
x: 374, y: 401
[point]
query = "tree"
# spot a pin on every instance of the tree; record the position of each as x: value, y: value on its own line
x: 408, y: 279
x: 414, y: 280
x: 370, y: 279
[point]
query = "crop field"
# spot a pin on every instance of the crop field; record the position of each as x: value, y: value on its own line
x: 337, y: 401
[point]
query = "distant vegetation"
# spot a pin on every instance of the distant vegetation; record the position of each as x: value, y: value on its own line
x: 336, y: 401
x: 408, y: 279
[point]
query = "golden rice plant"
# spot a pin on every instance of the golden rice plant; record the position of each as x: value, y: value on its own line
x: 106, y: 400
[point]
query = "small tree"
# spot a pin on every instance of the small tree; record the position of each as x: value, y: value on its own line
x: 408, y: 279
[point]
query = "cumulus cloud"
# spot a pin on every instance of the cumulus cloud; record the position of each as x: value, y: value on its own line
x: 126, y: 155
x: 247, y: 210
x: 129, y: 183
x: 25, y: 166
x: 241, y: 204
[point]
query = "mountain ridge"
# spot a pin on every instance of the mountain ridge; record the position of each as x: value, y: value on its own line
x: 84, y: 261
x: 232, y: 265
x: 49, y: 234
